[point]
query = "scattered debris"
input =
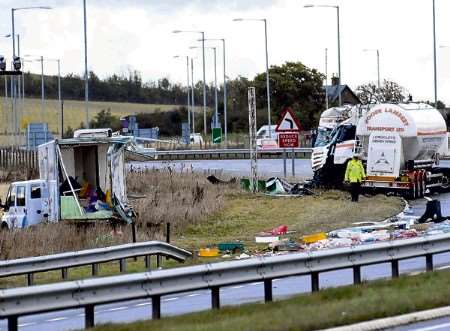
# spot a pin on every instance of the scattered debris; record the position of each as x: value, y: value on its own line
x: 208, y: 252
x: 309, y: 239
x: 279, y: 186
x: 231, y: 247
x: 214, y: 180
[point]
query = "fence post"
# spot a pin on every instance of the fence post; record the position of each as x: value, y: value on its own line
x: 314, y: 281
x: 395, y: 269
x: 89, y: 316
x: 215, y: 297
x: 123, y: 265
x: 357, y: 274
x: 156, y: 307
x: 429, y: 262
x: 30, y: 279
x: 64, y: 273
x: 94, y: 269
x: 13, y: 323
x: 268, y: 290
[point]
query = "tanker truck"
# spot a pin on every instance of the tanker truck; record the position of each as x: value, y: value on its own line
x: 399, y: 144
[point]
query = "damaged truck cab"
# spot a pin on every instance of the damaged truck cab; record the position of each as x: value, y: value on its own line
x: 80, y: 179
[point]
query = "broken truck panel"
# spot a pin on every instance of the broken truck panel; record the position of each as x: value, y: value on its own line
x: 80, y: 178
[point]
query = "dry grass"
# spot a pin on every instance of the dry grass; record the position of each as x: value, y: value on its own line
x: 181, y: 199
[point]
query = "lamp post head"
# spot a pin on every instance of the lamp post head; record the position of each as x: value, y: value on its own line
x: 308, y: 6
x: 176, y: 31
x: 238, y: 19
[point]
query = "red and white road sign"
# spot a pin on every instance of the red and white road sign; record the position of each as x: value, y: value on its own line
x: 289, y: 122
x: 288, y: 140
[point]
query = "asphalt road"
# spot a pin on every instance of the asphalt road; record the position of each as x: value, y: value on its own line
x: 235, y: 295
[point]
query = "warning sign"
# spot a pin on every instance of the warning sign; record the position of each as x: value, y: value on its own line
x: 288, y: 122
x: 288, y: 140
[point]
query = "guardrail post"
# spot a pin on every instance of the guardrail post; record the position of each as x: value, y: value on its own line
x: 148, y: 262
x: 357, y: 274
x: 156, y: 307
x: 94, y: 268
x: 395, y: 269
x: 64, y: 273
x: 89, y: 314
x: 123, y: 265
x: 30, y: 279
x: 13, y: 324
x: 158, y: 261
x: 429, y: 262
x: 314, y: 281
x: 215, y: 297
x: 268, y: 290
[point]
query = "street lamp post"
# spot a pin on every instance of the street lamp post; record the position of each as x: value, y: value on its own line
x: 204, y: 75
x: 338, y: 42
x: 216, y: 117
x: 224, y: 89
x: 86, y: 73
x: 267, y: 65
x: 13, y: 34
x: 187, y: 87
x: 378, y: 63
x: 326, y: 78
x: 434, y: 54
x: 193, y: 95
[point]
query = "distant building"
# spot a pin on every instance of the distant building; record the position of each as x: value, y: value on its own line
x: 333, y: 90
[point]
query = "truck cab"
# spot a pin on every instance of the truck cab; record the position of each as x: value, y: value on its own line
x: 26, y: 204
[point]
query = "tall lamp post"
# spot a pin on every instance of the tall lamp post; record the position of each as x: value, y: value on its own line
x: 267, y: 64
x: 338, y: 41
x: 224, y: 88
x: 434, y: 54
x: 187, y: 87
x: 216, y: 116
x: 13, y: 34
x: 378, y: 62
x: 204, y: 75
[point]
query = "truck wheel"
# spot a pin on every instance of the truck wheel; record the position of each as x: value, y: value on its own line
x: 4, y: 227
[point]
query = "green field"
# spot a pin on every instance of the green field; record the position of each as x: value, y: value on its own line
x: 74, y: 111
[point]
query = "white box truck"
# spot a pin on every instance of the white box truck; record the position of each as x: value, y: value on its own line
x: 67, y: 167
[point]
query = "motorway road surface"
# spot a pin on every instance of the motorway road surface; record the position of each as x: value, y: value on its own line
x: 253, y: 292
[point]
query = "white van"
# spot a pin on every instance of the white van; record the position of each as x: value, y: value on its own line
x: 264, y: 139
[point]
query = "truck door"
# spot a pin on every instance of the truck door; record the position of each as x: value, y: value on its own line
x: 10, y: 214
x: 345, y: 142
x: 16, y: 214
x: 35, y: 211
x: 21, y: 207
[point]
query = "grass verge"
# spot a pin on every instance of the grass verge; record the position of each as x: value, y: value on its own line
x: 327, y: 308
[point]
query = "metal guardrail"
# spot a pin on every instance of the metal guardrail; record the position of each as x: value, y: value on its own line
x: 229, y: 153
x: 64, y: 261
x: 91, y: 292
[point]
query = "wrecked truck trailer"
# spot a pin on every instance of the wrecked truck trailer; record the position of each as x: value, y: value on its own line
x: 80, y: 179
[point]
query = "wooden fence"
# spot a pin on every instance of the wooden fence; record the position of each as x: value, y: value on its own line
x: 20, y: 159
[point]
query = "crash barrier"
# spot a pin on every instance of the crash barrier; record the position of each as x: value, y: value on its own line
x: 13, y: 158
x: 200, y: 154
x: 153, y: 285
x: 93, y: 257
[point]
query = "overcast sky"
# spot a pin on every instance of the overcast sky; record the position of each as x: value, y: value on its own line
x: 138, y: 34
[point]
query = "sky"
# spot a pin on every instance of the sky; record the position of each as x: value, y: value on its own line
x: 137, y: 35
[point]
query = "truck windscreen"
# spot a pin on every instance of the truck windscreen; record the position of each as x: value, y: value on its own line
x: 323, y: 137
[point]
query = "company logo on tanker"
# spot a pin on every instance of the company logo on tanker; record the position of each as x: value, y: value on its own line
x: 394, y: 112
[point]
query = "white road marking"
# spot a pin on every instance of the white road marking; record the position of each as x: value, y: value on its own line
x: 27, y: 324
x: 115, y: 309
x: 81, y: 315
x: 171, y: 299
x: 194, y: 295
x: 239, y: 286
x: 257, y: 283
x: 434, y: 327
x: 444, y: 267
x: 57, y: 319
x: 143, y: 304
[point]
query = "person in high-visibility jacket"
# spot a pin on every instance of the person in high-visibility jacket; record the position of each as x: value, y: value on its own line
x: 354, y: 174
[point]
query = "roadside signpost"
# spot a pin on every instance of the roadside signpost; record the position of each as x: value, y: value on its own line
x: 288, y: 129
x: 217, y: 135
